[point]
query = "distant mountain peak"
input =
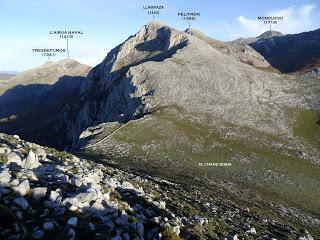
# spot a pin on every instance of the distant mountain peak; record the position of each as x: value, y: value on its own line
x: 155, y: 24
x: 192, y: 31
x: 60, y: 62
x: 270, y: 34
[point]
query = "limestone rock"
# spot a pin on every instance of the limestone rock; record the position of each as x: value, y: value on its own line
x: 38, y: 193
x: 31, y: 161
x: 23, y: 188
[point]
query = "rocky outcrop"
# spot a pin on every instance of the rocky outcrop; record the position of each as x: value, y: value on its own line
x: 313, y: 72
x: 66, y: 197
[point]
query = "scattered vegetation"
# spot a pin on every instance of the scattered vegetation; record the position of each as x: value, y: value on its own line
x: 171, y: 144
x: 177, y: 60
x: 3, y: 158
x: 168, y: 234
x: 306, y: 126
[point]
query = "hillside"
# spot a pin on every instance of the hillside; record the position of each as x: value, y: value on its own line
x: 169, y: 104
x: 160, y: 66
x: 28, y: 100
x: 289, y: 53
x: 46, y: 194
x: 240, y: 51
x: 6, y: 76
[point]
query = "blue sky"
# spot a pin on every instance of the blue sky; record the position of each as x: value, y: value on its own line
x: 25, y: 24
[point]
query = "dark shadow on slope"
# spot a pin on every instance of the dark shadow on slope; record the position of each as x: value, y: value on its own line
x: 291, y: 53
x: 31, y: 111
x: 22, y: 97
x: 120, y: 107
x: 160, y: 43
x: 56, y: 115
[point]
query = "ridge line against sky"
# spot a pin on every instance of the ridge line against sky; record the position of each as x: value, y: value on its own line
x: 25, y: 24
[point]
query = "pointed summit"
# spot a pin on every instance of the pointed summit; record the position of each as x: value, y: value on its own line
x: 155, y: 24
x: 270, y: 34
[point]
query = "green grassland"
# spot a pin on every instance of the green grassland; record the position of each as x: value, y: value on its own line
x: 264, y: 166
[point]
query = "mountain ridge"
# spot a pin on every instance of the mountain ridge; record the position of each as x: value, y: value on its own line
x: 289, y: 53
x: 143, y: 91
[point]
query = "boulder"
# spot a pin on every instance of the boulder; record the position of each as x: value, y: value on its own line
x: 38, y: 234
x: 123, y: 219
x: 31, y: 161
x: 54, y: 196
x: 138, y: 228
x: 38, y: 193
x: 23, y: 188
x: 48, y: 226
x: 14, y: 157
x: 5, y: 177
x: 22, y: 203
x: 4, y: 150
x: 72, y: 222
x: 88, y: 196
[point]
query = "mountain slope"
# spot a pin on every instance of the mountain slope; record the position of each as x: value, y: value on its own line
x: 6, y: 76
x: 289, y: 53
x: 169, y: 104
x: 32, y: 96
x: 164, y: 102
x: 240, y: 51
x: 46, y: 194
x: 47, y: 73
x: 161, y: 66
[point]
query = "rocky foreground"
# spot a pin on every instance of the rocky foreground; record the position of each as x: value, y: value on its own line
x: 46, y: 194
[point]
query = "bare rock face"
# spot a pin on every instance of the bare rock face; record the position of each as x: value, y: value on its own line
x: 160, y: 66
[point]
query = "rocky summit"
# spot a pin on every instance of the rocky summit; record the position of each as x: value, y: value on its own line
x: 46, y: 194
x: 161, y: 66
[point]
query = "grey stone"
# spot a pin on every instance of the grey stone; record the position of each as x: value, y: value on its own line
x: 13, y: 157
x: 5, y: 177
x: 38, y: 193
x: 123, y: 219
x: 23, y: 188
x: 4, y: 150
x: 14, y: 182
x: 72, y: 221
x: 138, y: 228
x: 31, y: 161
x: 54, y: 196
x: 87, y: 196
x: 48, y: 226
x: 22, y: 203
x: 71, y: 234
x: 38, y: 234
